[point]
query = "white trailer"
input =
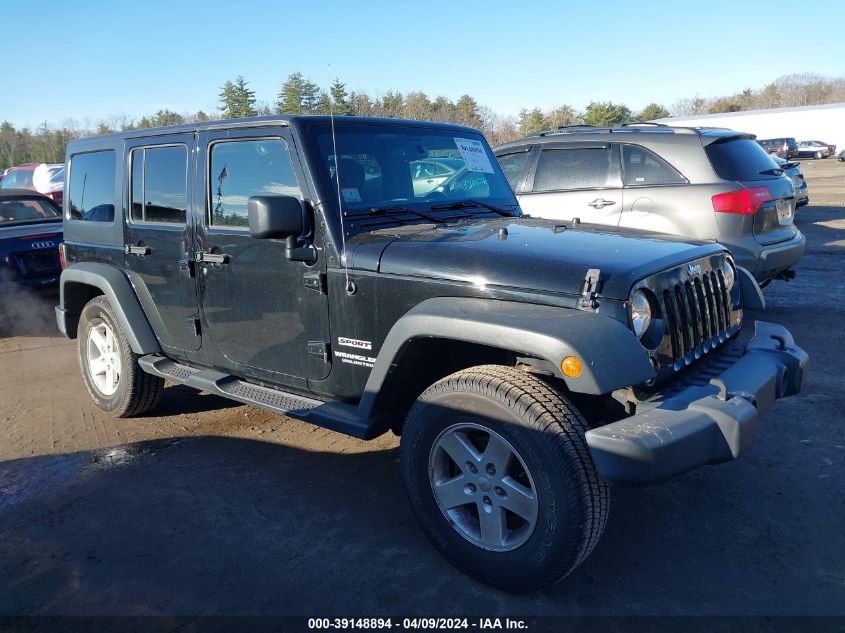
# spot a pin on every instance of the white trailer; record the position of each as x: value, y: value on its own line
x: 806, y: 123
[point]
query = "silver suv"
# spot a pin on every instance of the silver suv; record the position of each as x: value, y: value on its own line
x: 704, y: 183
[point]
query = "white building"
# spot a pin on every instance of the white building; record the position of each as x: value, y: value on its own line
x: 807, y: 123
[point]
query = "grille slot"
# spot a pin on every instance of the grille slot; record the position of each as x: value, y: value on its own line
x: 697, y: 316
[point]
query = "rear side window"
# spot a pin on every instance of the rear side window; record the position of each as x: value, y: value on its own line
x: 240, y: 169
x: 91, y: 192
x: 577, y: 168
x: 20, y: 179
x: 740, y: 159
x: 643, y: 168
x: 159, y: 184
x: 513, y: 166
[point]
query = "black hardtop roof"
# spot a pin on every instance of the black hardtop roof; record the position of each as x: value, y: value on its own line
x: 707, y: 134
x: 261, y: 121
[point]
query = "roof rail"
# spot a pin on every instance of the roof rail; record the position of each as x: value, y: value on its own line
x: 565, y: 129
x: 636, y: 123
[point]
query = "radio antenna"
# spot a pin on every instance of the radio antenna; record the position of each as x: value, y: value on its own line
x: 350, y: 287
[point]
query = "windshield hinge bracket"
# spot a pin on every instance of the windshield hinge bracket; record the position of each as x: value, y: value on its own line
x: 590, y: 292
x: 315, y: 280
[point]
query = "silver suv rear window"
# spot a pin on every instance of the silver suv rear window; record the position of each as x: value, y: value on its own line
x: 740, y: 159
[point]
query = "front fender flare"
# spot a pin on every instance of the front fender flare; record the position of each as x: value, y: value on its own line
x: 117, y: 289
x: 613, y: 357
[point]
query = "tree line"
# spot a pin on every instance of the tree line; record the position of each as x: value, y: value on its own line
x: 299, y: 95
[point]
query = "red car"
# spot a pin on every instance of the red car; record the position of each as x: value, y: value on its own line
x: 45, y: 178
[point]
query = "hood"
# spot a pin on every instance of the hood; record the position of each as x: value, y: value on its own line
x: 525, y: 253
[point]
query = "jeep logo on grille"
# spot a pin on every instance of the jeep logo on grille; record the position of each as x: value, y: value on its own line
x: 42, y: 244
x: 694, y: 269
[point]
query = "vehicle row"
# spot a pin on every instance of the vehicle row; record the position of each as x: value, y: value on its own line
x: 789, y: 148
x: 45, y: 178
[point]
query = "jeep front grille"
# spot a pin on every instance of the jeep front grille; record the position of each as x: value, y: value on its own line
x: 698, y: 316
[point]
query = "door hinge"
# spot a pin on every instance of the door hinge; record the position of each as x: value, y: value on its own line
x: 192, y: 324
x: 188, y: 267
x: 315, y: 280
x: 320, y: 349
x: 589, y: 294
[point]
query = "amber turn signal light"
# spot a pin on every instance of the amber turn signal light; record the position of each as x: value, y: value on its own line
x: 571, y: 366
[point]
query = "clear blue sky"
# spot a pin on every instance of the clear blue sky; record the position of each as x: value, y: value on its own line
x: 96, y: 58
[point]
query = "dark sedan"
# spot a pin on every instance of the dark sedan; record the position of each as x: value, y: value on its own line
x: 30, y: 234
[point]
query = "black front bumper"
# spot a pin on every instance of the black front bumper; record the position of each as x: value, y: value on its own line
x: 706, y: 423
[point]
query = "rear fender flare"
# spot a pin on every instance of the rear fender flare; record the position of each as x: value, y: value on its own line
x: 121, y: 297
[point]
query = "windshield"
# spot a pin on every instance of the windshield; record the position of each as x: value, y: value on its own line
x: 413, y: 168
x: 15, y: 211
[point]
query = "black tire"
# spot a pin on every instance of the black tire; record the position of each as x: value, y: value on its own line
x: 818, y: 156
x: 137, y: 391
x: 547, y: 433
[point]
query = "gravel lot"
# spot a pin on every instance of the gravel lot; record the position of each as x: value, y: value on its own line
x: 212, y: 508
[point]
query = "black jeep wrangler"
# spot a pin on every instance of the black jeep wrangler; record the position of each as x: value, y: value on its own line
x: 370, y: 275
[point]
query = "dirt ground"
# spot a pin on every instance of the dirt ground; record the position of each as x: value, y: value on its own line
x: 207, y: 507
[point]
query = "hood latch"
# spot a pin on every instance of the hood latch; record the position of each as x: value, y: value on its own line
x: 590, y: 292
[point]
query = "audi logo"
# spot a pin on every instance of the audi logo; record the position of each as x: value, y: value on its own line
x: 42, y: 244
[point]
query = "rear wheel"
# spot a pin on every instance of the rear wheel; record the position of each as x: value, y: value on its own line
x: 115, y: 381
x: 499, y: 475
x: 818, y: 156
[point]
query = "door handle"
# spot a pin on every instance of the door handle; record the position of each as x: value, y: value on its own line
x: 212, y: 258
x: 130, y: 249
x: 600, y: 203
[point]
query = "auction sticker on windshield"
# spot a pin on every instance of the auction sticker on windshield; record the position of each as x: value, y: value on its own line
x: 474, y: 156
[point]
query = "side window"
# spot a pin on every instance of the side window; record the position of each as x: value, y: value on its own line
x: 91, y: 186
x: 159, y: 184
x: 642, y: 168
x: 240, y: 169
x: 513, y: 166
x: 577, y: 168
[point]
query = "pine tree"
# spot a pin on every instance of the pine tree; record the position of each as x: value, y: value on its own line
x: 236, y: 99
x: 298, y: 96
x: 532, y: 121
x: 467, y: 113
x: 244, y: 98
x: 227, y: 100
x: 324, y: 104
x: 340, y: 98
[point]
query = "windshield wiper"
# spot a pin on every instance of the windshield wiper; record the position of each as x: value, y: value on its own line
x: 772, y: 171
x: 398, y: 208
x: 468, y: 204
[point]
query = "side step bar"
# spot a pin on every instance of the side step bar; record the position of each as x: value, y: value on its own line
x: 337, y: 416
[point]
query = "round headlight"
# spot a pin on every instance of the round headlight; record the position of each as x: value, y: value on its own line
x: 640, y: 312
x: 729, y: 273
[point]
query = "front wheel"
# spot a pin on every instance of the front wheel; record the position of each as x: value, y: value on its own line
x: 499, y: 475
x: 110, y: 369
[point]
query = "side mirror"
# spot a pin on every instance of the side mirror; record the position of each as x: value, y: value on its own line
x: 280, y: 217
x: 276, y: 217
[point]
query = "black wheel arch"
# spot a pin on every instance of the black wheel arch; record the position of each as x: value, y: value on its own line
x: 82, y: 282
x: 446, y: 334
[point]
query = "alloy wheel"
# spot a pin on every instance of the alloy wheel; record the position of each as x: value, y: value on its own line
x: 103, y: 359
x: 483, y: 487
